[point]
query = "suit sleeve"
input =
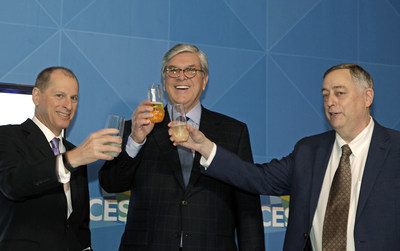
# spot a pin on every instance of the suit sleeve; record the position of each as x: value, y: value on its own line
x: 116, y: 176
x: 272, y: 178
x: 250, y: 231
x: 24, y: 171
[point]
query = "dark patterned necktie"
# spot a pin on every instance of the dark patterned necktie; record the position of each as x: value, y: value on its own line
x: 334, y: 236
x: 54, y: 146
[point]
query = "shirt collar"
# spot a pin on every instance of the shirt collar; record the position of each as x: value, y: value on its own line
x: 358, y: 142
x: 46, y: 131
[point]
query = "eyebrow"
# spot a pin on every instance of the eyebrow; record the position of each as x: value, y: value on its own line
x: 187, y: 66
x: 64, y: 93
x: 334, y: 88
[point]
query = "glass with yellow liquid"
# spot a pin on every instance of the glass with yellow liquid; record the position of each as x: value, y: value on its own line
x: 155, y: 96
x: 179, y: 130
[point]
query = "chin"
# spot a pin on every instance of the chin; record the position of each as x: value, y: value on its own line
x: 181, y: 102
x: 64, y: 125
x: 337, y: 127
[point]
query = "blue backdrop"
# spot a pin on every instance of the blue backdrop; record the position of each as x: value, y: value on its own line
x: 266, y: 59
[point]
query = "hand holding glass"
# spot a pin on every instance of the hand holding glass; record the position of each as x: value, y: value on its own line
x: 118, y: 122
x: 155, y: 96
x: 179, y: 131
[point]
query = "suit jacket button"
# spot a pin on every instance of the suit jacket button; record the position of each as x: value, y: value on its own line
x: 305, y: 236
x: 184, y: 202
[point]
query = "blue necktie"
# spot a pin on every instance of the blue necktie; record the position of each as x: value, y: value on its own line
x: 186, y: 159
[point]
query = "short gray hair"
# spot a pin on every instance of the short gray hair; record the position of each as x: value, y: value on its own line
x: 182, y: 48
x: 361, y: 77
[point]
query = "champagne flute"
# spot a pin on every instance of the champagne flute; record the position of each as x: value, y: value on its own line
x: 118, y: 122
x: 179, y: 130
x: 155, y: 96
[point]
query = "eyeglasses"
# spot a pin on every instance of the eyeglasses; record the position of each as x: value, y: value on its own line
x: 188, y: 72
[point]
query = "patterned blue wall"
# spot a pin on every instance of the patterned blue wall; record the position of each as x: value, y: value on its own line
x: 266, y: 63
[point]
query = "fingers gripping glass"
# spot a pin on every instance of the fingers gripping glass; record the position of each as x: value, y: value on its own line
x: 176, y: 72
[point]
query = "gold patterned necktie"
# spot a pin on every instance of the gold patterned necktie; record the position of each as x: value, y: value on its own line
x: 334, y: 236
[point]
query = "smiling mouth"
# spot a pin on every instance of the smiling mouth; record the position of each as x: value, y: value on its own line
x: 65, y: 115
x: 182, y: 87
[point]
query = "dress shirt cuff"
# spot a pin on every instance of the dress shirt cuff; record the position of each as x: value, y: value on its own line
x: 87, y: 249
x: 63, y: 174
x: 132, y: 148
x: 207, y: 162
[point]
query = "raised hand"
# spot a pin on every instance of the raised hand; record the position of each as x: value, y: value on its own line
x: 94, y: 148
x: 197, y: 141
x: 141, y: 125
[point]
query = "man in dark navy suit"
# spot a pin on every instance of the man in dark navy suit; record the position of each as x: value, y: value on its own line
x: 307, y: 173
x: 172, y: 206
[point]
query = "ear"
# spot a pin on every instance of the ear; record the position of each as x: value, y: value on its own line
x: 369, y: 96
x: 36, y: 96
x: 205, y: 81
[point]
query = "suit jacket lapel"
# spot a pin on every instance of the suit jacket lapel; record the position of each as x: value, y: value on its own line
x: 377, y: 153
x: 206, y: 125
x: 36, y: 137
x: 322, y: 156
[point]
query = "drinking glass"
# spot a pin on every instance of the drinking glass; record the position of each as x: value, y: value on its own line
x: 155, y: 96
x: 118, y: 122
x: 179, y: 131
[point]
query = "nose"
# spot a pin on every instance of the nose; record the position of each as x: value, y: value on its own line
x: 181, y: 75
x: 68, y: 103
x: 330, y: 100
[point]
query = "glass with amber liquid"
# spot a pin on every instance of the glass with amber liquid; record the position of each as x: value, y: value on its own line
x: 178, y: 127
x: 155, y: 96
